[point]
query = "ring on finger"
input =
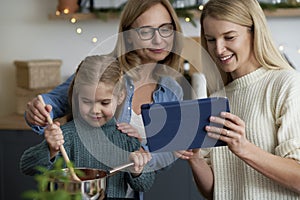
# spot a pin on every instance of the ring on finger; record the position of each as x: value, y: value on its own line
x: 227, y: 133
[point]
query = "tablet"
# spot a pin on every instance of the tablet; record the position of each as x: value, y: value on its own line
x: 180, y: 125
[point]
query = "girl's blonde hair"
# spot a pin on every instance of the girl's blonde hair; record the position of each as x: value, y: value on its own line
x: 246, y: 13
x: 124, y: 51
x: 93, y: 70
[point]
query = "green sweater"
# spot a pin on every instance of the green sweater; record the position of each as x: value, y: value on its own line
x: 100, y: 148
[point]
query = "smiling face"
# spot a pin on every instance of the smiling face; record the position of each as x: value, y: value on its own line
x: 98, y: 105
x: 230, y: 46
x: 157, y: 48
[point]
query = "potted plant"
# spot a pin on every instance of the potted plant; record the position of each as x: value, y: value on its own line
x: 43, y: 179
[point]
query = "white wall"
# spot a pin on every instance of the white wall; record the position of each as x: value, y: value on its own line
x: 27, y: 33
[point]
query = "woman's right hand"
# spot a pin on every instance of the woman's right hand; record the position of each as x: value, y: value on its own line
x: 54, y: 138
x: 36, y: 113
x: 188, y: 154
x: 129, y: 130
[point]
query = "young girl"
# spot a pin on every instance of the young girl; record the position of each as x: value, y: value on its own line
x: 92, y: 139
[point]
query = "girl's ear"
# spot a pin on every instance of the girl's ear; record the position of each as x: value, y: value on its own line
x: 121, y: 97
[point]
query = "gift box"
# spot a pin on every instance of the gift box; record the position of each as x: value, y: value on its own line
x: 37, y: 74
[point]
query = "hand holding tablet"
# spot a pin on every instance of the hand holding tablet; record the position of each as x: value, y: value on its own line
x: 180, y: 125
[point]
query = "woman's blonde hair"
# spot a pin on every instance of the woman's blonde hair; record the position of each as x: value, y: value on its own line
x: 246, y: 13
x: 123, y: 50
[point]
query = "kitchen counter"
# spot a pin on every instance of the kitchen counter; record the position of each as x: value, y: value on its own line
x: 13, y: 122
x: 15, y: 138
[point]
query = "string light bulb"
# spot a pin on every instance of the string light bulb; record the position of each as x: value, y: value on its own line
x: 201, y: 7
x: 66, y: 11
x: 281, y: 48
x: 73, y: 20
x: 94, y: 39
x: 78, y: 30
x: 187, y: 19
x: 57, y: 13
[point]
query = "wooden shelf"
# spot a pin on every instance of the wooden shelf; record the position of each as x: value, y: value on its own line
x: 85, y: 16
x: 288, y: 12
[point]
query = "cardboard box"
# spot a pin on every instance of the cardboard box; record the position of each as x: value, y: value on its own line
x: 23, y: 96
x: 37, y: 74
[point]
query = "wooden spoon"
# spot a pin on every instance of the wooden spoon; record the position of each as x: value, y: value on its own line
x: 61, y: 148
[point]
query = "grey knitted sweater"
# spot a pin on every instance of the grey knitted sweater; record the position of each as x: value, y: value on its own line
x: 101, y: 148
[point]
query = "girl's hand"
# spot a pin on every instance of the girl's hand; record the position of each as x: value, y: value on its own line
x: 36, y: 113
x: 129, y: 130
x: 54, y: 138
x: 233, y: 132
x: 140, y: 159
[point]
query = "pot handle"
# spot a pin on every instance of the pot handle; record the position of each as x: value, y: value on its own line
x: 116, y: 169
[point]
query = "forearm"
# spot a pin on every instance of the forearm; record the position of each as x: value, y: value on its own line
x: 203, y: 176
x: 33, y: 157
x: 143, y: 182
x: 284, y: 171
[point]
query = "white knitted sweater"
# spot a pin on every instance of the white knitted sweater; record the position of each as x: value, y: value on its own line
x: 269, y: 103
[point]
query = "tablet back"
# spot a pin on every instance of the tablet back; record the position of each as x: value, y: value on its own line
x: 180, y: 125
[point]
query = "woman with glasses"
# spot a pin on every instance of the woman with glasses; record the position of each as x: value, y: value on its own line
x: 148, y: 49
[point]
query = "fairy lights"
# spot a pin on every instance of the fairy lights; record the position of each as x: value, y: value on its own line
x: 73, y: 20
x: 94, y: 39
x: 201, y: 7
x: 281, y: 48
x: 78, y: 30
x: 66, y: 11
x: 187, y: 19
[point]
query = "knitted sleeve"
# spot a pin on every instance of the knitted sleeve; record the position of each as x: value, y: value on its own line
x: 288, y: 117
x: 143, y: 182
x: 38, y: 155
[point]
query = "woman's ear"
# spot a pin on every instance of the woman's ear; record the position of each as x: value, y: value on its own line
x: 128, y: 37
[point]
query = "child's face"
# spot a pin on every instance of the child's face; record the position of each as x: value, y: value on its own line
x: 98, y: 105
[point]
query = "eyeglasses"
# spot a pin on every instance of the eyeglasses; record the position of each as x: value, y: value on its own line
x: 148, y: 32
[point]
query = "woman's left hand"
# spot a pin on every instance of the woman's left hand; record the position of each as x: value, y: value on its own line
x: 140, y: 159
x: 233, y: 132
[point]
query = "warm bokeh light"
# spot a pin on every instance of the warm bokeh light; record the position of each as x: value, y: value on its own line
x: 201, y: 7
x: 78, y: 30
x: 187, y: 19
x: 281, y: 48
x: 73, y: 20
x: 66, y: 11
x: 94, y: 39
x: 57, y: 13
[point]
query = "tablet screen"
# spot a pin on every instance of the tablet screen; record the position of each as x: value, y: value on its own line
x: 180, y: 125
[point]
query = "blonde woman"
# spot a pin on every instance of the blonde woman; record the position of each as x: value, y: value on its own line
x: 262, y: 159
